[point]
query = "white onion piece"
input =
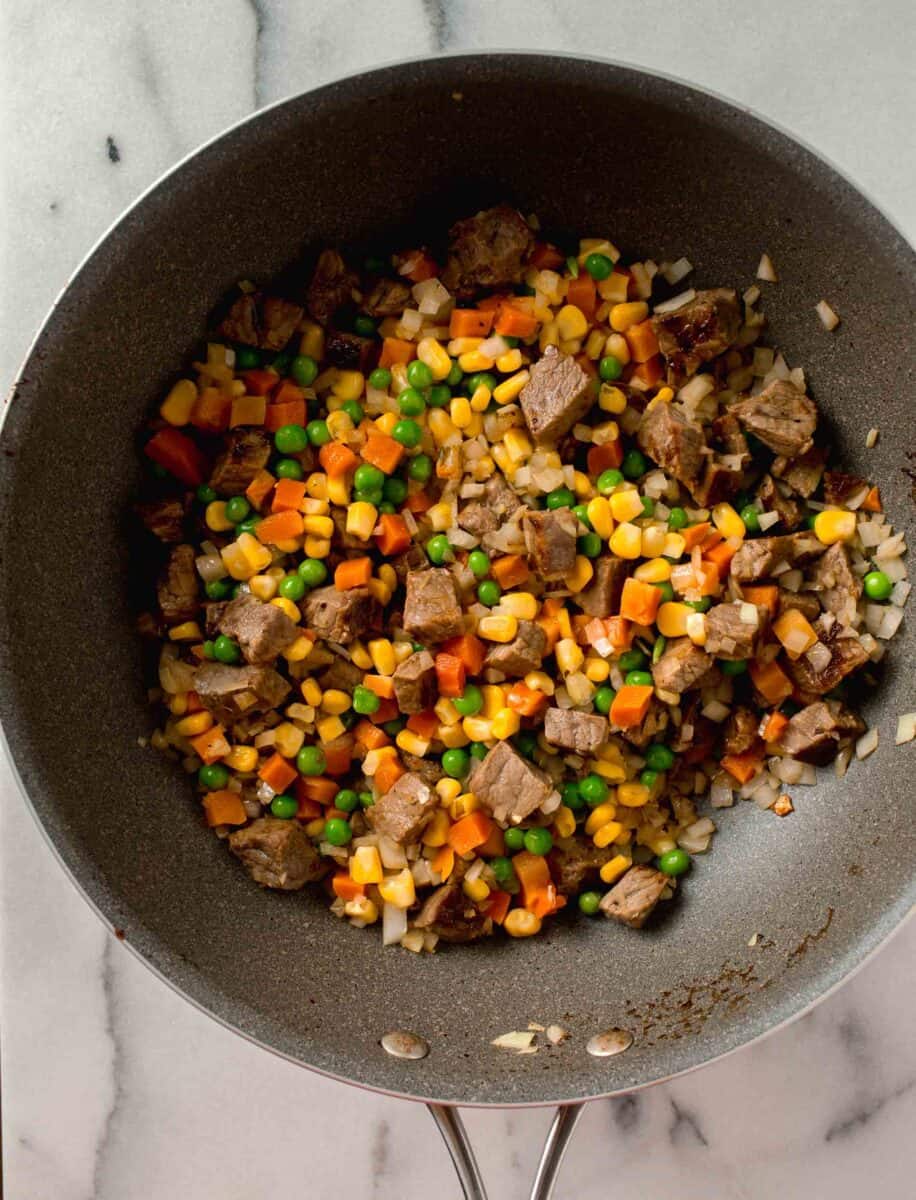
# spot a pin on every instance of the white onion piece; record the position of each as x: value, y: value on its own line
x: 765, y: 269
x: 867, y: 744
x: 906, y: 728
x: 674, y: 272
x: 828, y: 318
x: 676, y: 302
x: 394, y: 924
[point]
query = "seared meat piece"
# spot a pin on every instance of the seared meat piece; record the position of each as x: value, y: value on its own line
x: 835, y: 583
x: 261, y: 630
x: 673, y: 442
x: 719, y: 482
x: 695, y: 730
x: 341, y: 617
x: 432, y: 610
x: 478, y: 518
x: 740, y: 731
x: 814, y: 734
x: 349, y: 351
x: 759, y: 557
x: 213, y: 614
x: 414, y: 680
x: 790, y: 512
x: 427, y: 768
x: 277, y: 854
x: 487, y: 251
x: 653, y: 723
x: 680, y: 667
x: 500, y: 498
x: 331, y: 287
x: 634, y: 896
x: 522, y: 654
x: 728, y: 636
x: 508, y: 785
x: 550, y: 537
x: 264, y: 321
x: 602, y: 596
x: 699, y: 330
x: 781, y: 416
x: 452, y: 916
x: 177, y: 587
x: 404, y: 811
x: 803, y: 472
x: 342, y: 675
x: 728, y: 435
x: 804, y: 602
x: 558, y: 393
x: 164, y: 518
x: 577, y: 861
x: 386, y: 298
x: 575, y: 731
x: 231, y: 693
x: 247, y: 452
x: 414, y: 558
x: 840, y: 488
x: 847, y: 654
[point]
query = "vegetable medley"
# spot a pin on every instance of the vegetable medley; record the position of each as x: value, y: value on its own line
x: 484, y: 581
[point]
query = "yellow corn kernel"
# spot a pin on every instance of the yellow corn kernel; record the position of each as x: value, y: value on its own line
x: 241, y: 758
x: 626, y: 541
x: 312, y: 341
x: 339, y: 490
x: 564, y: 822
x: 834, y: 525
x: 653, y: 541
x: 600, y: 816
x: 316, y: 547
x: 336, y: 701
x: 441, y: 426
x: 448, y: 790
x: 176, y: 408
x: 361, y: 519
x: 474, y: 427
x: 288, y: 739
x: 510, y: 388
x: 316, y: 485
x: 287, y: 545
x: 446, y: 711
x: 463, y: 805
x: 612, y: 772
x: 596, y: 669
x: 402, y: 650
x: 594, y: 344
x: 286, y: 606
x: 661, y: 844
x: 329, y: 728
x: 520, y: 604
x: 674, y: 545
x: 571, y: 323
x: 386, y: 422
x: 460, y: 412
x: 362, y: 909
x: 478, y: 729
x: 263, y: 586
x: 521, y: 923
x: 473, y: 360
x: 187, y: 631
x: 381, y: 652
x: 366, y: 865
x: 245, y: 557
x: 388, y: 576
x: 381, y: 591
x: 452, y: 736
x: 625, y: 315
x: 215, y: 516
x: 549, y: 335
x: 339, y: 424
x: 399, y: 379
x: 614, y: 868
x: 276, y: 573
x: 322, y: 527
x: 506, y: 723
x: 198, y: 722
x: 311, y: 692
x: 349, y: 385
x: 632, y: 795
x: 562, y: 617
x: 569, y: 655
x: 581, y: 574
x: 607, y: 431
x: 498, y: 628
x: 412, y: 743
x: 440, y: 516
x: 494, y: 698
x: 600, y: 516
x: 607, y: 834
x: 695, y: 626
x: 178, y: 704
x: 436, y: 832
x: 480, y: 401
x: 671, y: 618
x: 509, y: 362
x: 727, y: 521
x: 619, y: 347
x: 475, y: 889
x: 315, y: 508
x: 611, y: 399
x: 540, y: 681
x: 656, y: 570
x: 434, y: 354
x: 518, y: 445
x: 582, y: 485
x: 664, y: 395
x: 626, y: 505
x: 463, y: 345
x: 300, y: 649
x: 503, y: 460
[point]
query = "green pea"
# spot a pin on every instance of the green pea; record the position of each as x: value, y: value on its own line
x: 438, y: 396
x: 673, y: 862
x: 439, y: 549
x: 810, y: 519
x: 479, y: 563
x: 420, y: 467
x: 648, y: 778
x: 560, y: 497
x: 581, y: 511
x: 608, y: 480
x: 288, y: 468
x: 393, y: 728
x: 213, y: 776
x: 281, y: 364
x: 589, y: 903
x: 365, y: 701
x: 380, y: 378
x: 249, y: 525
x: 478, y: 751
x: 369, y: 495
x: 455, y: 375
x: 878, y: 586
x: 677, y: 519
x: 346, y: 800
x: 631, y: 660
x: 610, y: 368
x: 311, y: 761
x: 603, y: 699
x: 503, y: 871
x: 488, y: 592
x: 470, y: 701
x: 703, y: 605
x: 638, y: 679
x: 292, y: 588
x: 751, y: 518
x: 205, y: 494
x: 526, y: 743
x: 247, y: 358
x: 337, y: 831
x: 366, y: 799
x: 366, y: 477
x: 514, y: 839
x: 419, y: 374
x: 594, y: 790
x: 634, y: 464
x: 411, y: 402
x: 572, y: 796
x: 590, y: 544
x: 480, y: 379
x: 237, y: 509
x: 599, y: 266
x: 291, y: 439
x: 648, y: 506
x: 304, y: 370
x: 394, y: 489
x: 225, y: 650
x: 208, y: 649
x: 736, y: 666
x: 572, y: 265
x: 408, y: 433
x: 538, y: 841
x: 312, y: 571
x: 354, y: 410
x: 658, y: 648
x: 318, y: 433
x: 456, y: 763
x: 376, y: 265
x: 666, y: 590
x: 284, y: 807
x: 660, y: 757
x: 511, y: 342
x: 385, y: 506
x: 218, y: 589
x: 364, y: 326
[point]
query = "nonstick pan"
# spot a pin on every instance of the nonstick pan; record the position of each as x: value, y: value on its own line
x: 766, y: 924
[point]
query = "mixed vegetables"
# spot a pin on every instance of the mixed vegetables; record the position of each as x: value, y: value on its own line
x: 481, y: 579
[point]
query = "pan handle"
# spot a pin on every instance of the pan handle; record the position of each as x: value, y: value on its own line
x: 459, y: 1147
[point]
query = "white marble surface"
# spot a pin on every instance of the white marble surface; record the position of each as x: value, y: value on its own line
x: 115, y: 1089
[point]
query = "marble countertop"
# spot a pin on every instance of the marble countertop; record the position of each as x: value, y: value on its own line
x: 113, y: 1087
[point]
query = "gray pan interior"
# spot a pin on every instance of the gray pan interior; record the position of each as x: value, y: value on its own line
x: 376, y: 160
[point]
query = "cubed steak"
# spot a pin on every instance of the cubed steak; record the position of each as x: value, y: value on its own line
x: 259, y: 320
x: 550, y: 538
x: 386, y: 298
x: 720, y: 481
x: 557, y: 395
x: 404, y: 811
x: 277, y: 854
x: 427, y: 768
x: 508, y: 785
x: 781, y: 416
x: 681, y: 666
x: 673, y: 442
x: 740, y: 732
x: 478, y: 518
x: 729, y: 636
x: 450, y: 915
x: 415, y: 683
x: 341, y: 617
x: 247, y: 452
x: 523, y: 654
x: 176, y: 591
x: 602, y: 596
x: 349, y: 351
x: 341, y: 675
x: 261, y: 630
x: 579, y: 732
x: 847, y: 654
x: 500, y: 498
x: 774, y: 499
x: 164, y: 518
x: 699, y: 330
x: 232, y: 693
x: 835, y: 583
x: 758, y: 558
x: 634, y: 896
x: 815, y: 733
x: 576, y: 861
x: 432, y: 609
x: 331, y: 286
x: 803, y: 472
x: 487, y: 250
x: 805, y: 602
x: 414, y: 558
x: 842, y: 490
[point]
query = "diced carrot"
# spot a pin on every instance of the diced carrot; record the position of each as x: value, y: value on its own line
x: 383, y: 452
x: 387, y: 711
x: 346, y: 888
x: 337, y: 459
x: 495, y: 845
x: 424, y: 724
x: 603, y: 457
x: 469, y: 322
x: 770, y: 681
x: 693, y: 535
x: 545, y: 256
x: 330, y: 812
x: 319, y: 789
x: 583, y: 294
x: 224, y: 808
x: 619, y: 632
x: 513, y: 321
x: 712, y: 539
x: 259, y: 489
x: 278, y: 415
x: 193, y: 702
x: 510, y: 570
x: 351, y: 573
x: 211, y: 745
x: 579, y: 623
x: 277, y: 773
x: 259, y: 382
x: 369, y: 736
x: 492, y: 303
x: 288, y: 393
x: 872, y: 502
x: 795, y: 631
x: 417, y: 265
x: 551, y: 628
x: 642, y: 341
x: 338, y: 755
x: 382, y: 685
x: 775, y: 726
x: 443, y: 862
x: 389, y: 771
x: 393, y: 535
x: 526, y: 701
x: 247, y: 410
x: 469, y: 649
x: 743, y: 766
x: 308, y: 810
x: 450, y: 675
x: 630, y: 705
x: 552, y: 606
x: 418, y: 502
x: 720, y: 556
x: 198, y: 651
x: 470, y: 832
x: 539, y: 893
x: 639, y: 601
x: 395, y: 350
x: 279, y: 527
x: 766, y: 595
x: 649, y: 372
x: 174, y: 450
x: 288, y: 495
x: 497, y: 905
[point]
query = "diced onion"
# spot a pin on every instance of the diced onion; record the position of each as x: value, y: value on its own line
x: 765, y: 269
x: 828, y: 317
x: 867, y: 744
x: 766, y: 519
x: 716, y: 711
x: 394, y: 924
x: 871, y: 438
x: 677, y: 301
x: 906, y: 728
x: 819, y: 656
x: 674, y: 272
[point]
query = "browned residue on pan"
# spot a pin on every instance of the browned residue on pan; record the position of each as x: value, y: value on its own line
x: 810, y: 939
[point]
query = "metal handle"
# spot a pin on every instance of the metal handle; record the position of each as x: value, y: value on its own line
x: 459, y: 1147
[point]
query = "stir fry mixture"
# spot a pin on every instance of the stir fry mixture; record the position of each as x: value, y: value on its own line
x: 486, y: 574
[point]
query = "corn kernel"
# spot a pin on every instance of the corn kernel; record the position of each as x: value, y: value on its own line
x: 661, y: 844
x: 594, y: 344
x: 611, y: 399
x: 361, y: 519
x: 316, y: 486
x: 518, y: 445
x: 834, y: 525
x: 288, y: 739
x: 412, y: 743
x: 452, y: 736
x: 569, y: 655
x: 381, y: 591
x: 632, y: 795
x: 695, y: 627
x: 286, y: 606
x: 475, y: 889
x: 582, y: 485
x: 329, y: 728
x: 245, y: 557
x: 494, y: 698
x: 623, y: 316
x: 503, y: 460
x: 509, y: 362
x: 402, y: 650
x: 656, y: 570
x: 498, y: 628
x: 571, y: 322
x: 366, y: 865
x: 614, y: 868
x: 607, y: 834
x: 178, y: 704
x: 441, y: 426
x: 187, y: 631
x: 607, y: 431
x: 316, y: 547
x: 362, y: 910
x: 194, y: 724
x: 215, y: 517
x: 581, y: 574
x: 664, y: 395
x: 339, y: 424
x: 596, y: 669
x: 463, y: 345
x: 241, y: 758
x: 626, y: 541
x: 562, y: 618
x: 653, y: 541
x: 433, y: 353
x: 473, y: 360
x: 463, y: 805
x: 349, y: 385
x: 540, y: 681
x: 311, y: 692
x: 671, y: 619
x: 312, y: 341
x: 339, y: 490
x: 436, y: 832
x: 381, y: 652
x: 300, y: 649
x: 178, y: 405
x: 506, y: 723
x: 448, y: 790
x: 727, y: 521
x: 600, y: 816
x: 480, y: 401
x: 674, y: 545
x: 336, y: 701
x: 600, y: 516
x: 564, y: 822
x: 549, y: 335
x: 520, y: 604
x: 263, y: 586
x: 322, y: 527
x: 626, y: 505
x: 388, y: 576
x: 521, y: 923
x: 446, y: 711
x: 478, y: 729
x: 510, y: 388
x: 460, y: 412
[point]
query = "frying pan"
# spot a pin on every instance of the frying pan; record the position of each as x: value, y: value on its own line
x: 383, y: 159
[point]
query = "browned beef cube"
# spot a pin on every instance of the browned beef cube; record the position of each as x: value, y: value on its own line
x: 719, y: 482
x: 508, y: 785
x: 478, y: 518
x: 681, y: 666
x: 522, y: 654
x: 487, y: 251
x: 847, y: 654
x: 673, y: 442
x: 261, y: 630
x: 729, y: 436
x: 814, y: 734
x: 781, y: 416
x: 427, y: 768
x: 405, y: 810
x: 550, y: 537
x: 789, y: 511
x: 759, y: 557
x: 634, y: 896
x: 259, y: 320
x: 740, y: 732
x: 699, y: 330
x: 164, y: 518
x: 695, y: 731
x: 341, y: 617
x: 246, y: 453
x: 349, y: 351
x: 432, y: 610
x: 577, y: 861
x: 414, y: 558
x: 452, y: 916
x: 803, y: 472
x: 331, y: 286
x: 231, y: 693
x: 386, y: 298
x: 177, y: 588
x: 835, y: 583
x: 277, y: 854
x: 500, y: 497
x: 840, y: 488
x: 579, y: 732
x: 602, y: 596
x: 804, y: 602
x: 415, y: 683
x: 558, y: 394
x: 729, y: 636
x: 342, y: 675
